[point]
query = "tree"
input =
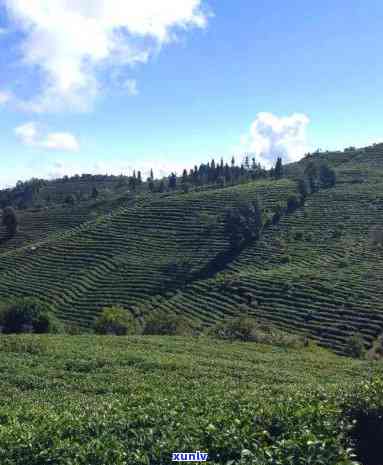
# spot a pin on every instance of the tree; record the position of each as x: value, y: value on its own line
x: 302, y: 188
x: 327, y: 176
x: 94, y: 194
x: 184, y: 179
x: 10, y: 221
x: 292, y: 203
x: 116, y: 321
x: 161, y: 186
x: 311, y: 171
x: 133, y: 181
x: 139, y: 178
x: 241, y: 328
x: 151, y: 174
x: 172, y: 181
x: 163, y: 323
x: 70, y: 199
x: 355, y: 346
x: 278, y: 170
x: 28, y: 315
x: 244, y: 223
x: 151, y: 184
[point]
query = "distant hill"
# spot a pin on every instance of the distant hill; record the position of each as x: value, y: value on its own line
x: 315, y: 271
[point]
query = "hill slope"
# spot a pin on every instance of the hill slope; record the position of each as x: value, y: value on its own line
x: 315, y: 272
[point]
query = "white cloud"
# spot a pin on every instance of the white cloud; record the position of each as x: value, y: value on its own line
x: 131, y: 86
x: 5, y: 97
x: 30, y: 134
x: 70, y: 41
x: 271, y: 136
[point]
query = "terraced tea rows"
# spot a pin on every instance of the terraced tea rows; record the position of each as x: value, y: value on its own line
x: 131, y: 255
x: 308, y: 274
x: 315, y: 273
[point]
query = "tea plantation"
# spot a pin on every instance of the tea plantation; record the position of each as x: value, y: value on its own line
x: 135, y: 400
x: 315, y: 272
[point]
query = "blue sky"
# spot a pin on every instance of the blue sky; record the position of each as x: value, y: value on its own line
x: 171, y: 83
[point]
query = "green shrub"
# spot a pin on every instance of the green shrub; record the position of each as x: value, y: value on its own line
x: 241, y: 328
x: 27, y: 315
x: 292, y: 203
x: 116, y: 321
x: 355, y: 346
x: 163, y: 323
x: 298, y: 235
x: 285, y: 259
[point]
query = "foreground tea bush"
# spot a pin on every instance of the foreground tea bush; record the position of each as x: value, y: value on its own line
x: 23, y: 344
x: 134, y: 400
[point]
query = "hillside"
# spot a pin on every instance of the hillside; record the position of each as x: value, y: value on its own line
x: 316, y: 272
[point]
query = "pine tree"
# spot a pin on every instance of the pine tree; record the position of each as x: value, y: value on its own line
x: 172, y: 181
x: 184, y: 177
x: 139, y: 178
x: 278, y: 171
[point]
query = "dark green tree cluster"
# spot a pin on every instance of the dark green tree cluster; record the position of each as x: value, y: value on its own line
x: 27, y: 315
x: 135, y: 181
x: 10, y: 221
x: 316, y: 176
x: 244, y: 223
x: 170, y: 324
x: 24, y: 195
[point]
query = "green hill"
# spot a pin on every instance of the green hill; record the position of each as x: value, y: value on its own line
x: 315, y: 272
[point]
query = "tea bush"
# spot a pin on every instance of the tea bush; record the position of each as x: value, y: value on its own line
x: 134, y: 401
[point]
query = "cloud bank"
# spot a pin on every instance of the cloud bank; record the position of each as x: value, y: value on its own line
x: 5, y: 97
x: 71, y: 41
x: 29, y: 134
x: 271, y: 136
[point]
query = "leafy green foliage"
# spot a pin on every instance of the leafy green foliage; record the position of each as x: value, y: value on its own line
x: 292, y: 203
x: 278, y: 170
x: 327, y: 176
x: 244, y: 223
x: 10, y: 221
x: 240, y: 328
x: 22, y: 344
x: 89, y: 400
x: 117, y: 321
x: 355, y: 346
x: 162, y: 323
x: 28, y: 315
